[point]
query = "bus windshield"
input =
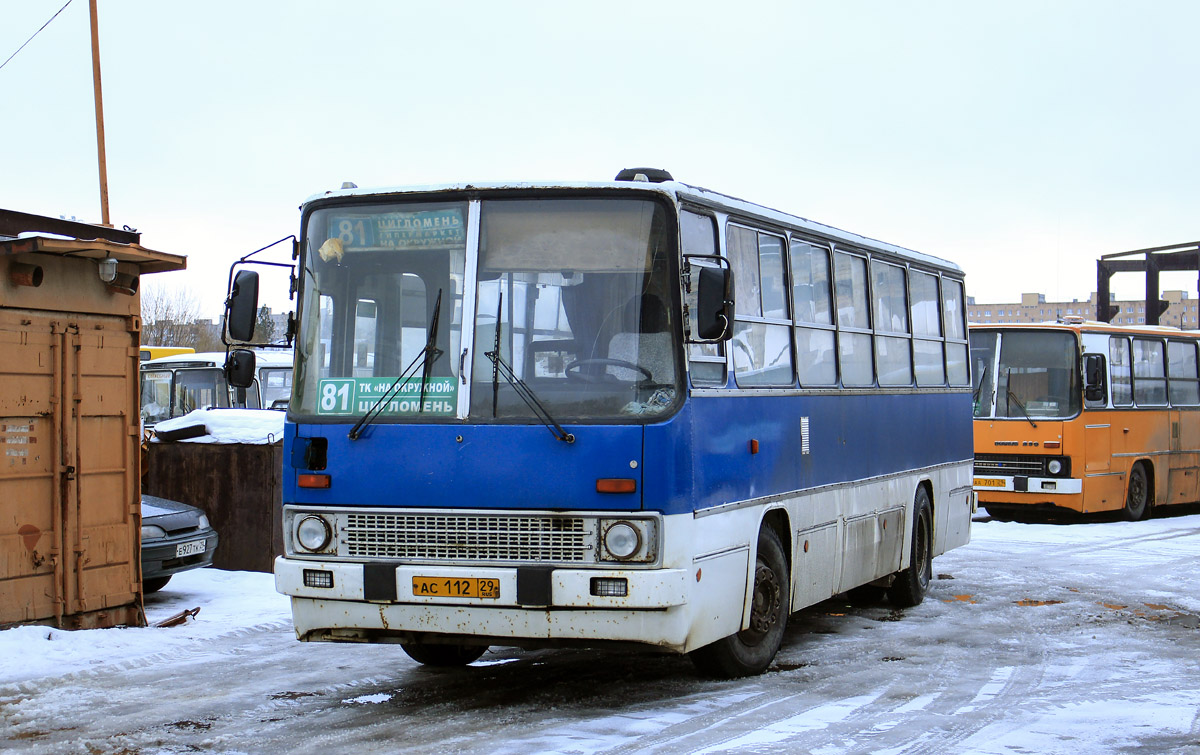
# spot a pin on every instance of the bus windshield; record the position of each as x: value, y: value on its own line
x: 1035, y: 377
x: 571, y: 297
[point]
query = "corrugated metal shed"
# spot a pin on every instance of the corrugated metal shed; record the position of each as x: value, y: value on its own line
x: 69, y: 429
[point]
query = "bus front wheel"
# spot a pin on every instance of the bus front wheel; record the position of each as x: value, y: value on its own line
x: 909, y: 588
x: 443, y: 655
x: 1137, y: 499
x: 751, y: 650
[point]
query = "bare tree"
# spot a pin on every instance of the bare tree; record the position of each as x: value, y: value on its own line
x: 170, y: 317
x: 264, y: 329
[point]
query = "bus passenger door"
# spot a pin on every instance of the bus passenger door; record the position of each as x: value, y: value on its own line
x: 1183, y: 478
x: 1104, y: 480
x: 1097, y: 448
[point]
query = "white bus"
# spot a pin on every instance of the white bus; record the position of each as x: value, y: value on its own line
x: 174, y: 385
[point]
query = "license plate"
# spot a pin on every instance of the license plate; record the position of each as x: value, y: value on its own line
x: 456, y: 587
x: 981, y: 482
x: 189, y: 549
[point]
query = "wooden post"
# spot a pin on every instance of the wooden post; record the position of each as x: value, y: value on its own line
x: 99, y: 117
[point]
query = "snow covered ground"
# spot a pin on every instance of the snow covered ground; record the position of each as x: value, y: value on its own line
x: 1034, y: 639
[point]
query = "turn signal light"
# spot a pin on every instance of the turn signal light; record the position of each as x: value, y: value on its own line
x: 313, y: 480
x: 616, y: 485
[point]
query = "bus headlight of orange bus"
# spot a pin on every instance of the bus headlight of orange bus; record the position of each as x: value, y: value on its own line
x: 313, y: 533
x: 628, y: 540
x: 1054, y: 466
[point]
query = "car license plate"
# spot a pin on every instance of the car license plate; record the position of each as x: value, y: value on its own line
x: 189, y: 549
x: 456, y: 587
x: 981, y: 482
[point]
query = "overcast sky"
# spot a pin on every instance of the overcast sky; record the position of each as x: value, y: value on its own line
x: 1019, y: 139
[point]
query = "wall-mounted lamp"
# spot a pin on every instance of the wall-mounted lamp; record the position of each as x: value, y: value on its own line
x: 108, y: 269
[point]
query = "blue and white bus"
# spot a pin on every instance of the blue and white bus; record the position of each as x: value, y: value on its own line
x: 634, y: 411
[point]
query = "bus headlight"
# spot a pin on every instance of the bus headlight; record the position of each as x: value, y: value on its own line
x: 627, y: 540
x: 1055, y: 466
x: 313, y: 533
x: 622, y: 540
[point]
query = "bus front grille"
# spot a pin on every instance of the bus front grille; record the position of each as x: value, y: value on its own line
x: 1010, y: 464
x: 468, y: 537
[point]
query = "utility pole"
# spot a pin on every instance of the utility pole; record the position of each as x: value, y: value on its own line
x: 104, y: 220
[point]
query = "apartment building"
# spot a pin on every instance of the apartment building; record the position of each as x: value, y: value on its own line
x: 1181, y: 313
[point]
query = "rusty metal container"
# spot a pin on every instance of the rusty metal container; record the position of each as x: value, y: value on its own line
x: 70, y: 522
x: 238, y: 485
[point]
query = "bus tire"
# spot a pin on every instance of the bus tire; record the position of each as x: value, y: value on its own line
x: 910, y: 585
x: 1137, y: 497
x: 429, y: 654
x: 751, y: 650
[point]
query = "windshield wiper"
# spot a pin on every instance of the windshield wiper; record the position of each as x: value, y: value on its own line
x: 527, y: 395
x: 432, y: 352
x: 978, y: 388
x: 1011, y: 397
x: 496, y: 350
x: 427, y: 356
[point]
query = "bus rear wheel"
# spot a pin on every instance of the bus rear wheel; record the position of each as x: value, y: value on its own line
x: 751, y: 650
x: 1137, y: 499
x: 429, y: 654
x: 910, y: 585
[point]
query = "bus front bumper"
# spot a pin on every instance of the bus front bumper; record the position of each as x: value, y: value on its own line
x: 330, y: 602
x: 1031, y: 485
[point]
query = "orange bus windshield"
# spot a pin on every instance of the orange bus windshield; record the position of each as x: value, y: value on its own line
x: 1026, y: 374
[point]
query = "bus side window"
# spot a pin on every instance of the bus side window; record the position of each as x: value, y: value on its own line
x: 812, y: 303
x: 762, y: 346
x: 928, y: 352
x: 892, y: 350
x: 699, y: 236
x: 1119, y: 367
x: 954, y: 314
x: 855, y: 360
x: 1181, y: 370
x: 1095, y: 392
x: 1149, y: 373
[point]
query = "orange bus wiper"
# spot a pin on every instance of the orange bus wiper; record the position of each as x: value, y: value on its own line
x: 1011, y: 397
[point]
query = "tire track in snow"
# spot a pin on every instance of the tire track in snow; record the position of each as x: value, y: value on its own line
x: 190, y: 648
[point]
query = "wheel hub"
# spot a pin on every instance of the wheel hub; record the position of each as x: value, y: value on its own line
x: 764, y: 611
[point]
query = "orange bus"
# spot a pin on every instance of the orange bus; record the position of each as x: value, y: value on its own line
x: 1086, y: 417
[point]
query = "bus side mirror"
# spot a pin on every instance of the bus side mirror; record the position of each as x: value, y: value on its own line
x: 239, y: 368
x: 1094, y: 388
x: 714, y: 304
x: 241, y: 311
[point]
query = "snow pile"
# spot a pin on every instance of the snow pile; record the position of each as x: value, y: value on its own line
x: 227, y: 426
x: 229, y: 602
x: 44, y: 235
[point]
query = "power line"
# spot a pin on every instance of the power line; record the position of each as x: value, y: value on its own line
x: 39, y: 31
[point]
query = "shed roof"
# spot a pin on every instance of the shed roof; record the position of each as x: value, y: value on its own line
x: 147, y: 260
